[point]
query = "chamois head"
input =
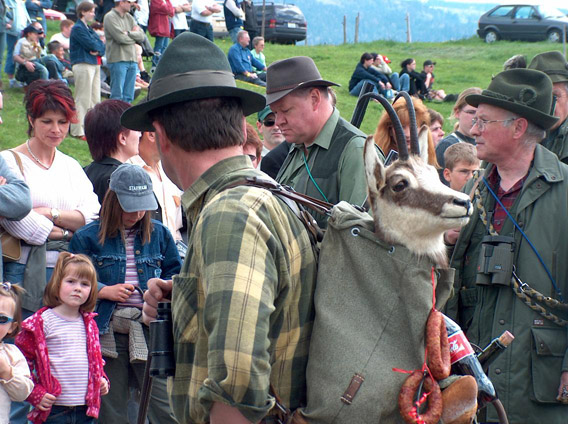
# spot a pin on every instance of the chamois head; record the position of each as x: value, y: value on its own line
x: 409, y: 203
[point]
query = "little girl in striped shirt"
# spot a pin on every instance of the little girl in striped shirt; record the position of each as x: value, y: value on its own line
x: 61, y: 343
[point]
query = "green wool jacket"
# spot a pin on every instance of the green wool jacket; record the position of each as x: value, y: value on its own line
x: 527, y: 375
x: 557, y: 142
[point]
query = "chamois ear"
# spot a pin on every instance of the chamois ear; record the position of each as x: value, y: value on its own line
x: 423, y: 142
x: 374, y: 169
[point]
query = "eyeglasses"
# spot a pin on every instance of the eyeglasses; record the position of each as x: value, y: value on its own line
x: 4, y: 319
x: 482, y: 123
x: 252, y: 157
x: 268, y: 123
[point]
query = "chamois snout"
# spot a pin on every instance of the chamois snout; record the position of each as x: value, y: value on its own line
x: 462, y: 202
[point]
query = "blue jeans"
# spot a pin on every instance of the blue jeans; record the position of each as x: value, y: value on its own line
x: 355, y: 91
x: 395, y: 81
x: 10, y: 66
x: 404, y: 82
x: 2, y: 48
x: 69, y: 415
x: 159, y: 48
x: 201, y: 28
x: 233, y: 33
x: 14, y: 273
x: 122, y: 80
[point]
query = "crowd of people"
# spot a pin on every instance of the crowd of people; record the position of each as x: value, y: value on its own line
x: 108, y: 238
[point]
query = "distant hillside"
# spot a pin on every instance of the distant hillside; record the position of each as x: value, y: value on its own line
x: 431, y: 21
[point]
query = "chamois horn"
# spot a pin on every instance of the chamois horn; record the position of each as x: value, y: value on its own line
x: 414, y: 145
x: 398, y: 130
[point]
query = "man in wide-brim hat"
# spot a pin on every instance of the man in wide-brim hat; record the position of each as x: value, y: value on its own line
x: 242, y: 305
x: 521, y: 204
x: 554, y: 65
x: 326, y: 158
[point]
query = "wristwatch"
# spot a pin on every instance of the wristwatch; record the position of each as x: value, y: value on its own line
x: 55, y: 214
x: 65, y: 235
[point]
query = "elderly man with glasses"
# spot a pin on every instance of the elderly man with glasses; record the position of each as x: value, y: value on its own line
x: 511, y: 272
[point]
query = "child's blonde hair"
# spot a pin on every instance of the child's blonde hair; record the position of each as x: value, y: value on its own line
x: 460, y: 152
x: 84, y: 269
x: 14, y: 292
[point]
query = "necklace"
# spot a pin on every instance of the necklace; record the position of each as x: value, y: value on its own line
x: 35, y: 157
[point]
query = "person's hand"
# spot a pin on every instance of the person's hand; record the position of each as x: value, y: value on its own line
x: 46, y: 402
x: 9, y: 26
x: 253, y: 75
x: 104, y: 386
x: 136, y: 27
x: 563, y: 388
x: 30, y: 66
x: 44, y: 211
x: 94, y: 52
x: 116, y: 292
x: 2, y: 179
x: 5, y: 369
x: 158, y: 290
x: 389, y: 86
x: 382, y: 85
x: 451, y: 237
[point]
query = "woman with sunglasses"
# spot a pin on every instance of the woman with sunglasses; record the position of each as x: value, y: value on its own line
x: 127, y: 248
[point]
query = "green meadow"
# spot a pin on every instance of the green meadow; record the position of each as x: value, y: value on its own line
x: 459, y: 65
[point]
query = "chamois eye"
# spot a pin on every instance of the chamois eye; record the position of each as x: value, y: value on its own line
x: 398, y: 187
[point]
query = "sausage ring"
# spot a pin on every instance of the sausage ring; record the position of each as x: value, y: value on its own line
x: 437, y: 346
x: 408, y: 409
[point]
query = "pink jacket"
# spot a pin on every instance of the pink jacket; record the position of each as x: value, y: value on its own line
x: 31, y: 341
x: 159, y: 24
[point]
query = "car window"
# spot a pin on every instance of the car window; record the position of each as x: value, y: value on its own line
x: 502, y: 11
x: 525, y: 12
x: 550, y: 12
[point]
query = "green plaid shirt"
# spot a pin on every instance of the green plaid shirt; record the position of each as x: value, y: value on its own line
x: 243, y: 302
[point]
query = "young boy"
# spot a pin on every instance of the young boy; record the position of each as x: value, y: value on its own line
x: 461, y: 161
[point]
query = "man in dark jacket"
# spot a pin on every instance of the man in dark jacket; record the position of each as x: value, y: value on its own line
x: 555, y: 66
x: 528, y: 182
x: 326, y: 158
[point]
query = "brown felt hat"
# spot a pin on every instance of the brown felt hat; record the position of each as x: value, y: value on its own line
x: 287, y: 75
x: 552, y: 64
x: 191, y: 68
x: 526, y: 92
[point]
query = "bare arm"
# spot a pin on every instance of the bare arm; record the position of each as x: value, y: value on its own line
x: 222, y: 413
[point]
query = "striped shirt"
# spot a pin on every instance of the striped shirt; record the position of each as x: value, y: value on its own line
x: 66, y: 341
x: 243, y: 302
x: 131, y: 276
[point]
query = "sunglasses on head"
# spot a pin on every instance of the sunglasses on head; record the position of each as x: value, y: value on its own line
x: 252, y: 157
x: 269, y: 123
x: 4, y: 319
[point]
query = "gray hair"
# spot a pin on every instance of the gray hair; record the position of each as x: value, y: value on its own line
x: 533, y: 135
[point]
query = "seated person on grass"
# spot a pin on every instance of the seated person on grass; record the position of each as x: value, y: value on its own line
x: 242, y: 61
x: 64, y: 36
x: 461, y: 162
x: 364, y: 72
x: 27, y: 55
x: 55, y: 62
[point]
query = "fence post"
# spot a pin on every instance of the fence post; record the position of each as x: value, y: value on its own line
x: 408, y: 34
x: 344, y: 29
x: 564, y: 39
x: 263, y: 18
x: 357, y: 29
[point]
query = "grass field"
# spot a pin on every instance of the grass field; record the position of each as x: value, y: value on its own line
x: 460, y: 64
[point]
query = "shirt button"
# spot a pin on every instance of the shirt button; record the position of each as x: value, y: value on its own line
x: 100, y: 263
x: 137, y: 252
x: 502, y: 321
x: 498, y: 371
x: 140, y: 271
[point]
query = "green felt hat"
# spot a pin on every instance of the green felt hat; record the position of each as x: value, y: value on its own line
x: 191, y: 68
x: 552, y: 64
x: 526, y: 92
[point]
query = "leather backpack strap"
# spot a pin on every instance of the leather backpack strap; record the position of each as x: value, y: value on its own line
x: 19, y: 162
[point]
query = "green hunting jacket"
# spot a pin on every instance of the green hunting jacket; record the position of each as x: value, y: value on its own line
x: 557, y: 142
x: 527, y: 375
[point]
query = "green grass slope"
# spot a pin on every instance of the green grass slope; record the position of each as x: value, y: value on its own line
x: 460, y: 64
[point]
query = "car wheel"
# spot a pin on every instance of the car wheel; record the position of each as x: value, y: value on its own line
x: 554, y: 36
x: 491, y: 36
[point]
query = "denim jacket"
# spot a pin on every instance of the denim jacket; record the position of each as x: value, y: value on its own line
x: 82, y: 42
x: 157, y: 259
